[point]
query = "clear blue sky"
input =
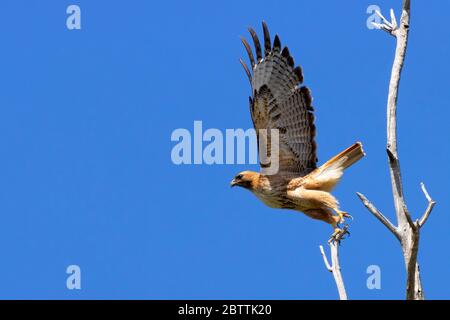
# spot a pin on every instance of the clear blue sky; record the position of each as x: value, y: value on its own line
x: 86, y: 176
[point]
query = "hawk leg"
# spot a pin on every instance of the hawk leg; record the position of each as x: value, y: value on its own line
x: 326, y: 215
x: 323, y: 200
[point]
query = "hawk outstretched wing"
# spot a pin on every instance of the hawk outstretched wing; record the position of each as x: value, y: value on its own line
x: 279, y: 102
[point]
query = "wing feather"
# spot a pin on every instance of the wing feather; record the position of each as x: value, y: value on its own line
x: 267, y: 45
x: 247, y: 71
x: 249, y: 52
x: 256, y: 43
x: 278, y: 102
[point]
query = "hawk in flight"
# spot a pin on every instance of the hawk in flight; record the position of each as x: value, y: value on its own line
x: 279, y: 102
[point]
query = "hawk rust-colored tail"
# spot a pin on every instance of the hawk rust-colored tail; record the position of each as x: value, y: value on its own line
x: 328, y: 175
x: 346, y: 158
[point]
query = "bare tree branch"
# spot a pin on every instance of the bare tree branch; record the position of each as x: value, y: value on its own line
x: 430, y: 207
x: 379, y: 215
x: 335, y: 267
x: 401, y: 34
x: 325, y: 260
x: 388, y: 26
x: 413, y: 283
x: 413, y: 225
x: 407, y: 230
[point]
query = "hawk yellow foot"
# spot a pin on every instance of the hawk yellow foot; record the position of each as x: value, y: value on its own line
x: 338, y: 234
x: 343, y: 214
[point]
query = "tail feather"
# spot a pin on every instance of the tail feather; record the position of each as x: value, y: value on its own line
x: 346, y: 158
x: 329, y: 174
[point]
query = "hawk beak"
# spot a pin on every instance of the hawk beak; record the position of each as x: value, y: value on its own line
x: 233, y: 183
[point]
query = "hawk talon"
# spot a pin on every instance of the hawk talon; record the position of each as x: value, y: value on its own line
x: 346, y: 233
x: 347, y: 215
x: 343, y: 214
x: 339, y: 234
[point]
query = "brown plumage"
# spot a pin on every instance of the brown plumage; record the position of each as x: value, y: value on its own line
x: 279, y: 102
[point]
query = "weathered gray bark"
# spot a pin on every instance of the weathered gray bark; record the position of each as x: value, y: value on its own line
x: 407, y: 231
x: 335, y: 267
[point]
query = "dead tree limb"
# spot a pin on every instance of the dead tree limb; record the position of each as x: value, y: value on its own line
x: 407, y: 231
x: 379, y: 215
x: 335, y: 267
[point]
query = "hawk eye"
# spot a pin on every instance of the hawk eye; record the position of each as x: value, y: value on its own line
x: 239, y: 177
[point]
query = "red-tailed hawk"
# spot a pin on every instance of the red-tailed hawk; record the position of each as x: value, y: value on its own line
x: 279, y: 102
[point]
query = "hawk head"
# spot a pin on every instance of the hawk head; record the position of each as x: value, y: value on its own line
x: 246, y: 179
